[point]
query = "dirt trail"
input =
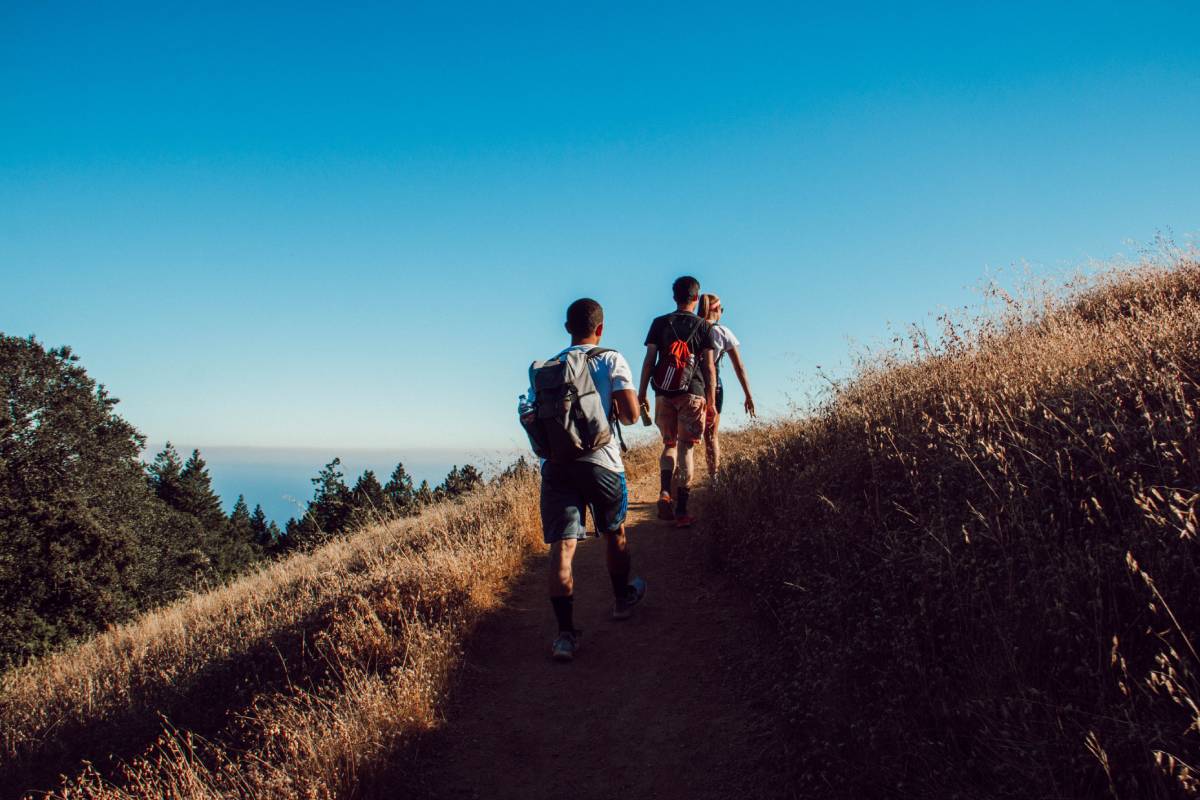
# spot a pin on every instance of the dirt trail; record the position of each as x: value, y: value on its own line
x: 659, y: 706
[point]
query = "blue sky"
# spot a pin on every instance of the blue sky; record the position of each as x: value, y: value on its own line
x: 354, y: 225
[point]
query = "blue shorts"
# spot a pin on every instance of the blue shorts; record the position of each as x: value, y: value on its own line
x: 567, y: 491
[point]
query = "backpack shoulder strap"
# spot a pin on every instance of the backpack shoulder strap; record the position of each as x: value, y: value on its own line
x: 612, y: 415
x: 695, y: 329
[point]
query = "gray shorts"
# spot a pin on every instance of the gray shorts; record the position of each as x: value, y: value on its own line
x: 568, y: 490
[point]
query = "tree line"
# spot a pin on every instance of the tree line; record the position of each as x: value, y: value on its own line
x: 91, y: 536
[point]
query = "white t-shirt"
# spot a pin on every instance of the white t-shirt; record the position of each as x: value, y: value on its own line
x: 610, y: 373
x: 723, y: 341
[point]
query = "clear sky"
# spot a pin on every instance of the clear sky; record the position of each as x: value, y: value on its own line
x: 354, y: 225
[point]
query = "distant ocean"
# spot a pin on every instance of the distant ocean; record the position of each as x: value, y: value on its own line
x: 280, y: 479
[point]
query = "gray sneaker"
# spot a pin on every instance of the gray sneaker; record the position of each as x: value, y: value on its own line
x: 564, y: 646
x: 634, y: 592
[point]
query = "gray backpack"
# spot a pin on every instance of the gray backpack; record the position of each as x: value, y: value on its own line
x: 567, y: 418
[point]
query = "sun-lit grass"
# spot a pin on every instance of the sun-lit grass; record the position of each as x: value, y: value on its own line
x: 293, y: 682
x: 981, y: 551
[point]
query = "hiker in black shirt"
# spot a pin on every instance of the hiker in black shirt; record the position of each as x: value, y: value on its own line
x: 679, y: 364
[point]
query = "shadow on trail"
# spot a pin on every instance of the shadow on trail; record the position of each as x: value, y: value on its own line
x: 667, y: 705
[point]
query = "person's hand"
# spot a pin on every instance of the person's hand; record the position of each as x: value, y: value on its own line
x: 750, y: 406
x: 643, y: 401
x: 711, y: 400
x: 710, y: 417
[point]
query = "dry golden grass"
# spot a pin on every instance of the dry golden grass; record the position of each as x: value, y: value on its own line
x: 982, y: 552
x: 297, y: 681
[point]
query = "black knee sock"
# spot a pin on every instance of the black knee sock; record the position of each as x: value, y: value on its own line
x: 564, y: 612
x: 620, y: 584
x: 681, y: 501
x: 664, y: 480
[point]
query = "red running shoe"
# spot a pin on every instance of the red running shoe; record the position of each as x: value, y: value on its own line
x: 684, y: 521
x: 665, y: 511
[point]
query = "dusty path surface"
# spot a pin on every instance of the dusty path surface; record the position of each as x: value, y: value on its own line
x: 660, y: 706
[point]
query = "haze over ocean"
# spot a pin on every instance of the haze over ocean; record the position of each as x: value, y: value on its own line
x: 280, y: 478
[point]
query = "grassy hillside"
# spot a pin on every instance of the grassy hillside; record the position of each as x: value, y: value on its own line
x: 298, y: 681
x: 981, y: 552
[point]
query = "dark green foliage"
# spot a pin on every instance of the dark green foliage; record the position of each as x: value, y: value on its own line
x: 226, y: 546
x: 518, y: 470
x: 458, y: 482
x: 399, y: 492
x: 367, y: 499
x: 337, y: 509
x: 83, y: 540
x: 241, y: 537
x: 88, y: 536
x: 196, y: 494
x: 328, y: 513
x: 265, y: 535
x: 165, y: 478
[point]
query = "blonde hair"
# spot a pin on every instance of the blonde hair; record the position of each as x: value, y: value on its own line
x: 707, y: 301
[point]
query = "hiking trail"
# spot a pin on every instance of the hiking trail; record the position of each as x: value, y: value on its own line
x: 659, y: 706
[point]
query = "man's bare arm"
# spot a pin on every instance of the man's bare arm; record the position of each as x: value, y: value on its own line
x: 626, y: 403
x: 647, y: 371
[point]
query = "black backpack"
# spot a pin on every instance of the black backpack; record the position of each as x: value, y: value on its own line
x: 677, y: 362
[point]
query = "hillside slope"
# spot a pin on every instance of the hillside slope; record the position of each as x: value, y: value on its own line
x: 340, y: 674
x: 298, y: 680
x: 976, y: 564
x: 982, y: 556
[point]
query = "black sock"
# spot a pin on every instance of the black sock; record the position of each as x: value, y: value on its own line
x: 681, y: 501
x: 664, y: 480
x: 564, y: 612
x: 620, y: 584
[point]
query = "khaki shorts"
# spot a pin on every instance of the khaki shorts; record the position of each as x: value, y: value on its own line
x: 680, y: 418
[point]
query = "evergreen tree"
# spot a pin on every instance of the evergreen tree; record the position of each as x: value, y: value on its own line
x: 331, y: 505
x: 328, y: 513
x: 399, y: 492
x: 294, y: 535
x: 367, y: 500
x: 423, y: 496
x: 516, y: 469
x: 241, y: 533
x: 239, y: 518
x: 197, y: 496
x: 265, y: 534
x: 165, y: 476
x: 459, y: 482
x: 229, y: 550
x: 469, y: 479
x: 84, y: 541
x: 275, y: 536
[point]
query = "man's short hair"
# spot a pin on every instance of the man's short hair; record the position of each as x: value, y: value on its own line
x: 685, y: 289
x: 583, y: 317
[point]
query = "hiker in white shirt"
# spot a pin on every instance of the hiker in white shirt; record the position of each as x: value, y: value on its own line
x: 594, y: 479
x: 724, y: 342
